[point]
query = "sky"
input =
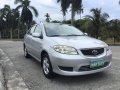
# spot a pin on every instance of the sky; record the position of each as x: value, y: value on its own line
x: 50, y: 6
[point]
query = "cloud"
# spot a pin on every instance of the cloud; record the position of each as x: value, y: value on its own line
x: 53, y: 8
x: 9, y: 2
x: 109, y: 6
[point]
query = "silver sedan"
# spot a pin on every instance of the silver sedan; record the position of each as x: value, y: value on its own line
x: 65, y: 50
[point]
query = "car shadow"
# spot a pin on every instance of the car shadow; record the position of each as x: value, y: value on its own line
x: 82, y: 78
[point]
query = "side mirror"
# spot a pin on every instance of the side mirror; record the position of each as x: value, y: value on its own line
x: 37, y: 35
x: 86, y: 34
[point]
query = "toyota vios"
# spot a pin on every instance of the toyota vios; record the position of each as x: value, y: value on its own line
x: 65, y: 50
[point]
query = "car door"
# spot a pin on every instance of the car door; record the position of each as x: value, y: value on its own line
x: 28, y: 39
x: 37, y: 42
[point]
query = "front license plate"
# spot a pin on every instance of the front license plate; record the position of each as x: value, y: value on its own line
x: 96, y: 63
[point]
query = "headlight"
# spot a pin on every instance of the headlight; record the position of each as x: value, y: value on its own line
x: 65, y: 49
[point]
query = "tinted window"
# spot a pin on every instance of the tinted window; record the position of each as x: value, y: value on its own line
x: 62, y: 30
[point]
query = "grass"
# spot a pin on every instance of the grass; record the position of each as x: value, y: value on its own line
x: 110, y: 41
x: 12, y: 39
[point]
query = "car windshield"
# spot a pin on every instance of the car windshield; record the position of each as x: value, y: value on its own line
x: 54, y: 30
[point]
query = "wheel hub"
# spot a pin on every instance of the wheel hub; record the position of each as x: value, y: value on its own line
x: 46, y: 66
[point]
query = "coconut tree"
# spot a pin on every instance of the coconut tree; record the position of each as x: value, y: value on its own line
x: 47, y: 17
x: 12, y: 19
x: 98, y: 19
x: 26, y: 14
x: 2, y: 26
x: 64, y: 6
x: 76, y: 6
x: 114, y: 29
x: 3, y: 13
x: 81, y: 10
x: 2, y: 23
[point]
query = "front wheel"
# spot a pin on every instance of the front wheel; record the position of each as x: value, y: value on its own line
x: 26, y: 53
x: 46, y: 66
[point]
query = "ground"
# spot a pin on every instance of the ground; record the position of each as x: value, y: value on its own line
x: 31, y: 72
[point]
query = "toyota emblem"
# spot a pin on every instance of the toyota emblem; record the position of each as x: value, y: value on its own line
x: 95, y: 52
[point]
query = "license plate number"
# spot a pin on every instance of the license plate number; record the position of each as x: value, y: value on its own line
x: 96, y: 63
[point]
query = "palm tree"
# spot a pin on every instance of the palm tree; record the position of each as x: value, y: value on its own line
x: 3, y: 13
x: 76, y: 6
x: 47, y: 17
x: 26, y: 14
x: 12, y: 19
x: 64, y: 6
x: 2, y: 23
x: 98, y: 18
x: 114, y: 29
x: 80, y: 11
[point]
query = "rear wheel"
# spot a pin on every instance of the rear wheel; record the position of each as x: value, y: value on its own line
x: 46, y: 67
x: 26, y: 53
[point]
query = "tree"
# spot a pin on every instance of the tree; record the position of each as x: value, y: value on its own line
x: 64, y: 6
x: 55, y: 21
x: 26, y: 14
x: 2, y: 23
x: 81, y: 10
x: 77, y: 6
x: 98, y: 19
x: 114, y: 29
x: 47, y: 17
x: 3, y: 13
x: 12, y: 19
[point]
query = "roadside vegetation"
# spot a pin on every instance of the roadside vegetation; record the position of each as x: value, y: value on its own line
x: 15, y: 21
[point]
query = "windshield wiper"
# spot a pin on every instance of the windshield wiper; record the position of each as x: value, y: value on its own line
x: 55, y: 36
x: 65, y: 35
x: 74, y: 35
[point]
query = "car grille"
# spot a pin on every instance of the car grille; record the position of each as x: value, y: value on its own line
x: 92, y: 52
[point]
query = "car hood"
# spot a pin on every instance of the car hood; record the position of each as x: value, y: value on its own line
x: 79, y: 42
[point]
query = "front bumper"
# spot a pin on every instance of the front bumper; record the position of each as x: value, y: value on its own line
x: 76, y: 62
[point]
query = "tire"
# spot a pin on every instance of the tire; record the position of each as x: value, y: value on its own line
x: 47, y: 67
x: 26, y: 53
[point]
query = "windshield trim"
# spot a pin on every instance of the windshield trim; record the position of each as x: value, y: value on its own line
x: 65, y: 35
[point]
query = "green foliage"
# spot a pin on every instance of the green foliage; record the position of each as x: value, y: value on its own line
x: 114, y: 29
x: 110, y: 29
x: 13, y: 25
x: 55, y: 21
x: 26, y: 14
x: 76, y: 7
x: 98, y: 20
x: 64, y: 5
x: 47, y: 17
